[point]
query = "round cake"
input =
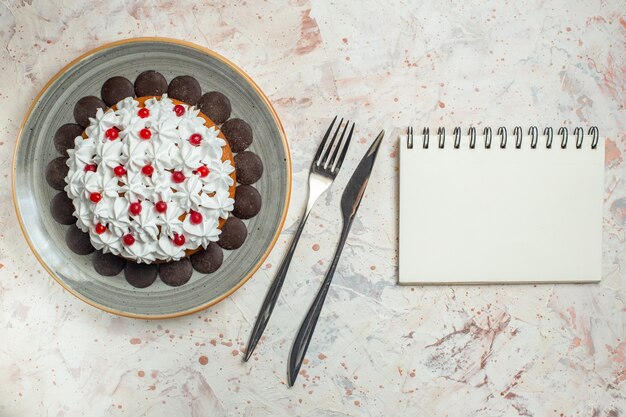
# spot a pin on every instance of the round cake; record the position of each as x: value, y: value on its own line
x: 151, y: 180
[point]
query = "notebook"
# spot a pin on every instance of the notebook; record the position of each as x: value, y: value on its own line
x: 517, y: 206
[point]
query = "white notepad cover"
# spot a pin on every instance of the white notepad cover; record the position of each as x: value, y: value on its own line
x: 500, y: 215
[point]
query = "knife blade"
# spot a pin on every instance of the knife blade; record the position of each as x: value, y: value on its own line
x: 355, y: 189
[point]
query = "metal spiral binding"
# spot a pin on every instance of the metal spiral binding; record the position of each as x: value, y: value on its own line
x: 518, y: 132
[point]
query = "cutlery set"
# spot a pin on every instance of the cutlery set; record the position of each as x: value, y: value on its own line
x: 324, y: 169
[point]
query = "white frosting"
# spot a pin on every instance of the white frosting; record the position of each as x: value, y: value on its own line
x: 167, y: 150
x: 206, y: 231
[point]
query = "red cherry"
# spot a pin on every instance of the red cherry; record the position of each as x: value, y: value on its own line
x: 100, y: 228
x: 95, y: 197
x: 143, y: 113
x: 195, y: 139
x: 161, y: 206
x: 145, y: 134
x: 179, y: 240
x: 195, y: 217
x: 135, y: 208
x: 112, y: 133
x: 179, y: 110
x: 178, y: 177
x: 203, y: 171
x: 128, y: 239
x: 119, y: 170
x: 90, y: 167
x: 147, y: 170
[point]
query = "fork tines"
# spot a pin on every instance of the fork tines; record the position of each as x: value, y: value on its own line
x: 333, y: 163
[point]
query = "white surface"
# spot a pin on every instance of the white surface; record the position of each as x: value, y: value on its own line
x: 379, y: 350
x: 500, y: 215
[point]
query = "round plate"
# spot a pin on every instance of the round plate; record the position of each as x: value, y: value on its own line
x: 54, y: 107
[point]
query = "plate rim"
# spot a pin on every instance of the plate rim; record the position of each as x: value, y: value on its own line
x: 212, y: 54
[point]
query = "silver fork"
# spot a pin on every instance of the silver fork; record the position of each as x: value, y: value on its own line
x: 324, y: 170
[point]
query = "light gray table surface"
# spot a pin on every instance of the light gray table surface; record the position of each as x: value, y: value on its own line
x: 380, y: 349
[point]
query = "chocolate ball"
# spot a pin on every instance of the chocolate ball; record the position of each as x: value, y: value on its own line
x: 238, y: 133
x: 64, y: 137
x: 87, y: 107
x: 247, y: 202
x: 140, y: 275
x: 78, y: 241
x: 61, y: 208
x: 208, y: 260
x: 56, y: 171
x: 107, y: 264
x: 248, y: 167
x: 185, y: 88
x: 176, y: 273
x: 150, y: 83
x: 216, y: 106
x: 233, y: 235
x: 116, y: 89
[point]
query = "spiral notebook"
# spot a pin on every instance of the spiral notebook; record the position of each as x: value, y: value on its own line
x: 518, y: 206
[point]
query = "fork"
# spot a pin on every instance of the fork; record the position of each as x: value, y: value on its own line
x: 324, y: 170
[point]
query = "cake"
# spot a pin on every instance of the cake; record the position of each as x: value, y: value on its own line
x: 152, y: 179
x: 147, y: 179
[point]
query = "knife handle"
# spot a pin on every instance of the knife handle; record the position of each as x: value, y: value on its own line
x: 305, y: 333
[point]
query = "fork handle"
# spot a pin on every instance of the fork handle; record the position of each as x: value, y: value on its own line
x: 305, y: 333
x: 274, y: 291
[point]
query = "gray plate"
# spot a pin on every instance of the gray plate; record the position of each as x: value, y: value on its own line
x: 54, y: 107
